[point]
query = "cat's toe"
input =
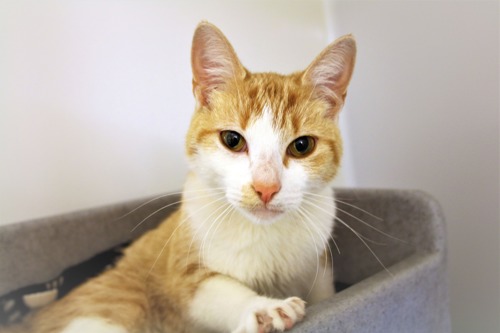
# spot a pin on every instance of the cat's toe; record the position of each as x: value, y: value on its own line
x: 270, y: 315
x: 264, y: 322
x: 298, y: 305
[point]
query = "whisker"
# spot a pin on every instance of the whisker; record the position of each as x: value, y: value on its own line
x: 360, y: 209
x: 369, y: 240
x: 230, y: 219
x: 221, y: 220
x: 345, y: 203
x: 306, y: 214
x: 317, y: 257
x: 203, y: 243
x: 169, y: 205
x: 160, y: 197
x: 365, y: 223
x: 326, y: 241
x: 329, y: 196
x: 372, y: 227
x: 367, y: 246
x: 331, y: 205
x: 146, y: 203
x: 153, y: 213
x: 198, y: 229
x: 231, y: 211
x: 355, y: 233
x: 360, y: 234
x: 180, y: 224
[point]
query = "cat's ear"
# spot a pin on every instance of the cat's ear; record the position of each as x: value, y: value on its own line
x: 330, y: 73
x: 213, y: 62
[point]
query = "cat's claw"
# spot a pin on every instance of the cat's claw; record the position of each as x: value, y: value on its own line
x: 271, y: 315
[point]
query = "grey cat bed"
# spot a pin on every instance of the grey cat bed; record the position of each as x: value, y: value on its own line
x: 408, y: 295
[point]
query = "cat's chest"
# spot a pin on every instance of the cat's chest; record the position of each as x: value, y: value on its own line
x: 273, y: 259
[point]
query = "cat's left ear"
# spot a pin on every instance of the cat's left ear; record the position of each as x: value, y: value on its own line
x: 329, y: 74
x: 213, y: 61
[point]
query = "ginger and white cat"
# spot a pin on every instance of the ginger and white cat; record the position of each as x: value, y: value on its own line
x: 249, y: 245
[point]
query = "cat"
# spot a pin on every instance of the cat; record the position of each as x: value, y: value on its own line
x: 248, y: 246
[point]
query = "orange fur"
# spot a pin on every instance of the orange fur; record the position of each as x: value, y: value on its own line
x: 152, y: 286
x: 147, y: 290
x: 301, y: 114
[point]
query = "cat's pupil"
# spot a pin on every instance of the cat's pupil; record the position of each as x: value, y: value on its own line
x: 233, y: 139
x: 301, y: 144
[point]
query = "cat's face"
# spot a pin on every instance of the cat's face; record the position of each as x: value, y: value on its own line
x: 267, y: 140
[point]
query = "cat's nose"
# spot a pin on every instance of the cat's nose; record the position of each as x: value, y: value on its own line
x: 266, y: 191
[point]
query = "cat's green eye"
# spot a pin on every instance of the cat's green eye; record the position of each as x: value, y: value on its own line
x: 233, y: 140
x: 301, y: 147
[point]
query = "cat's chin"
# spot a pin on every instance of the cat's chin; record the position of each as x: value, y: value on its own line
x: 264, y: 216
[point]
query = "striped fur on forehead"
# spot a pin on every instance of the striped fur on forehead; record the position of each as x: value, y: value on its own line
x: 294, y: 109
x: 291, y: 102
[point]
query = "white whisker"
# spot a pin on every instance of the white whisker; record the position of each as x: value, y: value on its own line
x: 367, y: 246
x: 364, y: 222
x: 317, y: 254
x: 169, y: 205
x: 220, y: 221
x: 180, y: 224
x: 199, y: 227
x: 370, y: 226
x: 201, y: 258
x: 360, y: 209
x: 355, y: 233
x: 343, y: 201
x: 326, y: 197
x: 231, y: 211
x: 160, y: 197
x: 325, y: 239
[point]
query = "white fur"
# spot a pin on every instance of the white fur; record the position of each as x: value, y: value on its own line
x: 94, y: 325
x: 233, y: 172
x: 222, y: 304
x: 280, y: 257
x: 219, y: 303
x: 251, y: 253
x: 233, y: 241
x: 265, y: 153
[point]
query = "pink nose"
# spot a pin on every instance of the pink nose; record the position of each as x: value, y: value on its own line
x: 266, y: 191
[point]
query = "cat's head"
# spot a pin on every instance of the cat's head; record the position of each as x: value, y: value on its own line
x: 266, y: 139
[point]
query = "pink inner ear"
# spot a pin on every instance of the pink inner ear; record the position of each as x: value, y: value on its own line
x: 331, y: 72
x: 204, y: 83
x: 213, y: 61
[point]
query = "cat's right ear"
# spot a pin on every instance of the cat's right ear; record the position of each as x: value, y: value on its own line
x: 213, y: 62
x: 330, y: 73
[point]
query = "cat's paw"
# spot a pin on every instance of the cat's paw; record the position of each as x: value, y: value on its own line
x: 271, y: 315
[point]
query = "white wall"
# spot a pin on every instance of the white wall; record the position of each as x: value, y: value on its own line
x: 422, y: 113
x: 95, y: 96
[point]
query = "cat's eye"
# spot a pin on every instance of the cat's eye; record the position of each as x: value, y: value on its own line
x: 233, y: 140
x: 301, y: 147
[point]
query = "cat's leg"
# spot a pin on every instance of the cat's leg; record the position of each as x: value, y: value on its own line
x: 94, y: 325
x: 225, y: 305
x: 323, y: 287
x: 110, y: 303
x: 267, y: 315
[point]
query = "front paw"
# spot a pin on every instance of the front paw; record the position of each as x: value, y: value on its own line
x: 269, y: 315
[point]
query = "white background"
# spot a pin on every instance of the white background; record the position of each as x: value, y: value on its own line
x: 95, y: 99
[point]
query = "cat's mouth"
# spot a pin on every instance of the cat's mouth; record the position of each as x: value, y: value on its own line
x: 266, y: 213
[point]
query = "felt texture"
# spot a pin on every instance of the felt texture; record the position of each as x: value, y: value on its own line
x: 400, y: 287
